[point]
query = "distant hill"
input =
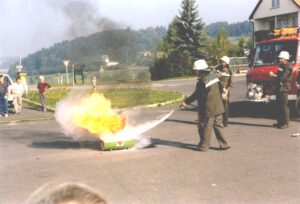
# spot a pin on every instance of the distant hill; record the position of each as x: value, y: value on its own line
x: 233, y: 30
x: 125, y: 46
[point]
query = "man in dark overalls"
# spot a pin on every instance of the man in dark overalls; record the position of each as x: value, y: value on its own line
x: 210, y: 106
x: 282, y: 88
x: 224, y: 74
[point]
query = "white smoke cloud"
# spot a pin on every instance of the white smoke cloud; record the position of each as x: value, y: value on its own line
x: 64, y: 116
x: 133, y: 130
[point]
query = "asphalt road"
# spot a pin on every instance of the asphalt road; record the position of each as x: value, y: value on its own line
x: 262, y: 166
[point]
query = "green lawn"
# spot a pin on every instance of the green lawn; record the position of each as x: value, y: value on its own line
x: 120, y: 98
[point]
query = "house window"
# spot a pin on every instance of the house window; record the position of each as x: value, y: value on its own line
x: 272, y: 24
x: 286, y: 21
x: 294, y: 21
x: 275, y: 3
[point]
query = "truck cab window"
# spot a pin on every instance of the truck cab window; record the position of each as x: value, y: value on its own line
x: 266, y: 54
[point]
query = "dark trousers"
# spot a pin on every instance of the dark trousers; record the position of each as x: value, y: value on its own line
x: 283, y: 111
x: 205, y: 129
x: 43, y: 101
x: 226, y: 113
x: 3, y: 104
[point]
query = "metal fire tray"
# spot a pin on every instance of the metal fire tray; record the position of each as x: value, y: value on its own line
x: 116, y: 145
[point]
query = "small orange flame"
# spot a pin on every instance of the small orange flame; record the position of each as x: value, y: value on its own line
x: 94, y: 113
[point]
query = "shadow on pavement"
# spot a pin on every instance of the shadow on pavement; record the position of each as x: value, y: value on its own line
x: 169, y: 143
x: 217, y: 148
x: 67, y: 144
x: 251, y: 109
x: 247, y: 109
x: 257, y: 110
x: 250, y: 124
x: 181, y: 145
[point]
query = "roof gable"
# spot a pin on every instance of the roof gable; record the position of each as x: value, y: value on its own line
x: 296, y: 2
x: 256, y: 7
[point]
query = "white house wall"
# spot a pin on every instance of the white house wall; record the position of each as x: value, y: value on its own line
x: 261, y: 25
x: 265, y: 9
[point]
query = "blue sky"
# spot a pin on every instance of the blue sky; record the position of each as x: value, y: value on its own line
x: 29, y: 25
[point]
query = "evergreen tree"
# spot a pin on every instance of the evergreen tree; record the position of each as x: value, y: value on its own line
x: 183, y: 44
x: 189, y: 30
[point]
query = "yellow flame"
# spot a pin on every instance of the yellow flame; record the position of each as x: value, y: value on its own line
x: 94, y: 113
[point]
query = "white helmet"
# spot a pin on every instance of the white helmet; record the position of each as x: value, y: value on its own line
x: 225, y: 59
x: 200, y: 65
x: 285, y: 55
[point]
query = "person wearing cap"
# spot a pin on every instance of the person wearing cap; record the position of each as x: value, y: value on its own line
x: 43, y: 87
x: 210, y: 106
x: 224, y: 74
x: 282, y: 87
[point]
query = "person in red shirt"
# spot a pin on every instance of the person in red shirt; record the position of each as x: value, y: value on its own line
x: 43, y: 87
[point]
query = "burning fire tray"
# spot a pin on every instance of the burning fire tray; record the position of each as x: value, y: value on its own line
x: 116, y: 145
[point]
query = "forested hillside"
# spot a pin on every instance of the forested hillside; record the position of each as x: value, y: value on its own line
x: 233, y: 30
x: 125, y: 46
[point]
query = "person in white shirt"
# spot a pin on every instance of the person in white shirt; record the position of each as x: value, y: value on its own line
x: 18, y: 90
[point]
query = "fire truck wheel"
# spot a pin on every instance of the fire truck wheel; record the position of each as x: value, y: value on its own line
x: 297, y: 105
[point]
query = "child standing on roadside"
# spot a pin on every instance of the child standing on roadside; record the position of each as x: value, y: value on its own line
x: 43, y: 87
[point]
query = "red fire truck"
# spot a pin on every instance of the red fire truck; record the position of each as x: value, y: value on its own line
x: 264, y: 59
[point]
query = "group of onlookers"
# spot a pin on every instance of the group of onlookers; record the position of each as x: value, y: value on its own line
x: 17, y: 90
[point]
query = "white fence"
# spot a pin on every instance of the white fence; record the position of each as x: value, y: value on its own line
x: 239, y: 64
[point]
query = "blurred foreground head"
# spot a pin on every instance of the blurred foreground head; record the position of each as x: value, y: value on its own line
x: 67, y: 193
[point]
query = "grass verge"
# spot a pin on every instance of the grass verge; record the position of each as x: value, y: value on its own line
x: 120, y: 98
